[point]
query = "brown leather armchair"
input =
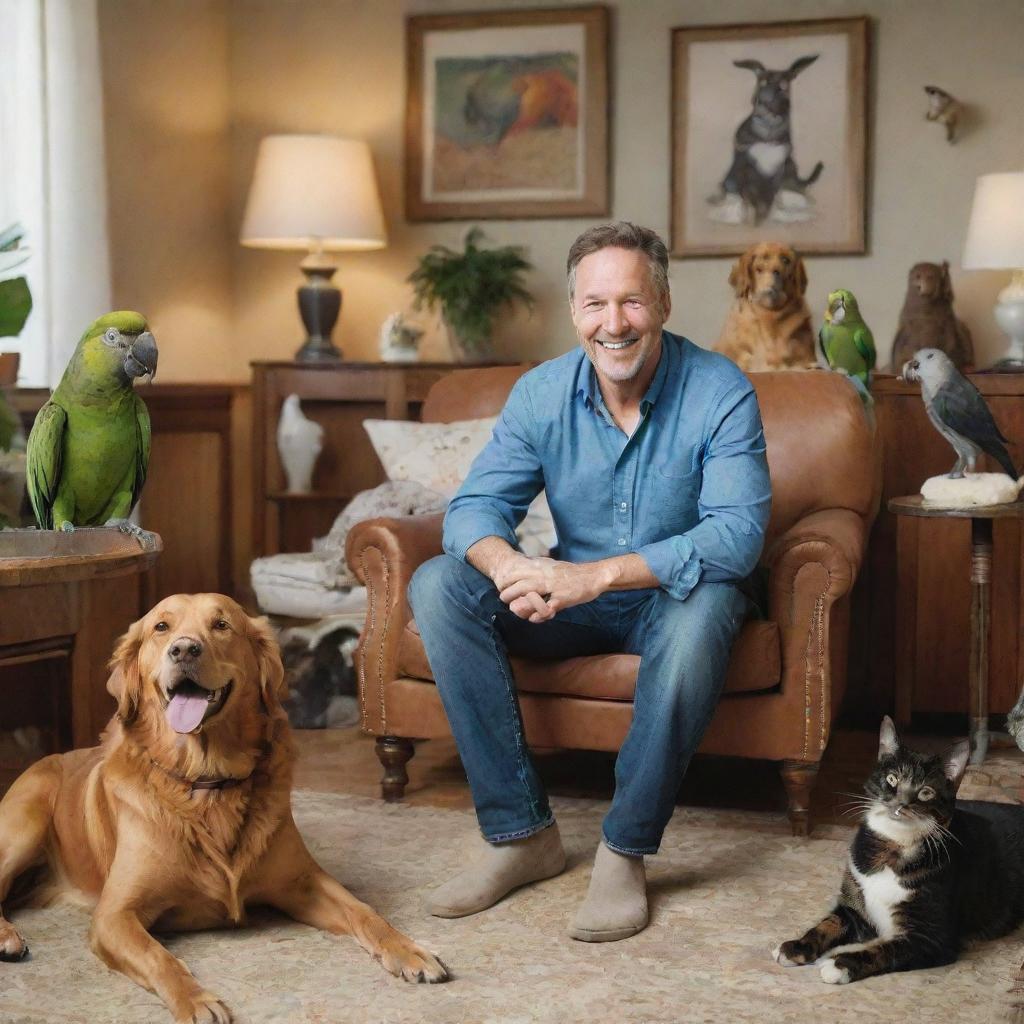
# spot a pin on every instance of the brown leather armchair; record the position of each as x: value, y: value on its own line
x: 787, y: 673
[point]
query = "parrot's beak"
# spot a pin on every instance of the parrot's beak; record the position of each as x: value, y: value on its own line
x: 142, y: 356
x: 909, y: 371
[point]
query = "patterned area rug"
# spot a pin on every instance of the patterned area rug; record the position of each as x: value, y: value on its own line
x: 727, y: 887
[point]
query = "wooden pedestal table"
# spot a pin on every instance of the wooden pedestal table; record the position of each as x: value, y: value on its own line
x: 64, y: 598
x: 981, y: 517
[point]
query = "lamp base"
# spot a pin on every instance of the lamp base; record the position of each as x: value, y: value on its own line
x: 1009, y: 314
x: 319, y: 305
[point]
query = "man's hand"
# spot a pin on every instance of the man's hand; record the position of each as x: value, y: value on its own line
x: 538, y: 588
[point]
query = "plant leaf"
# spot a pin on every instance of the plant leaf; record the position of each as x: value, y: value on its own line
x: 15, y: 306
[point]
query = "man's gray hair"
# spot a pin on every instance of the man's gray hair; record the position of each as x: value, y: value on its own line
x: 622, y: 235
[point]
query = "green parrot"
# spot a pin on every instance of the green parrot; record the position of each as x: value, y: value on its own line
x: 89, y: 448
x: 846, y: 341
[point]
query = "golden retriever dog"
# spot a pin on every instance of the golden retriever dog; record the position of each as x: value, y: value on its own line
x: 181, y: 818
x: 768, y: 326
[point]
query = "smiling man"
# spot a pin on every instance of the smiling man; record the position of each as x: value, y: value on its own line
x: 652, y: 456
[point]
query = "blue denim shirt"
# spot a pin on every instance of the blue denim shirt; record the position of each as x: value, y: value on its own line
x: 688, y: 491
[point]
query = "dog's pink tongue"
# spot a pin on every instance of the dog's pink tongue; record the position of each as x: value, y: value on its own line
x: 185, y: 711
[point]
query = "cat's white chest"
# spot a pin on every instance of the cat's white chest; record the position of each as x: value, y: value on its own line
x: 883, y: 893
x: 769, y: 156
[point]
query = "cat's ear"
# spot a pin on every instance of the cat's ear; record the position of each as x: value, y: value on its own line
x: 954, y: 762
x: 888, y: 741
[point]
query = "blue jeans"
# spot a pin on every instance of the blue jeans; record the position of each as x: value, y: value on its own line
x: 684, y: 646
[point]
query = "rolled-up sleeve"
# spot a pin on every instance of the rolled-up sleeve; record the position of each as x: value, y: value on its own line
x: 504, y: 478
x: 734, y: 504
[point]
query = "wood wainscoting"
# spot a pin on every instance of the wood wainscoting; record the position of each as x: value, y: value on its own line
x: 932, y: 579
x: 197, y: 495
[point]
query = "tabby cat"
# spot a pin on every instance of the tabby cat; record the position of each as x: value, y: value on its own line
x: 925, y: 873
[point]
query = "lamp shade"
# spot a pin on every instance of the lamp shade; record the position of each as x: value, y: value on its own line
x: 995, y: 233
x: 313, y: 191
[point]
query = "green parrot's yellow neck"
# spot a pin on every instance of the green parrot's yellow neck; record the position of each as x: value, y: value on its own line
x: 94, y: 375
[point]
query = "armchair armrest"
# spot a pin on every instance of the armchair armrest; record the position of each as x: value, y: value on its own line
x: 833, y: 538
x: 384, y: 554
x: 812, y: 566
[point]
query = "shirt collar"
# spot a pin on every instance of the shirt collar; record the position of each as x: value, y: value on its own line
x: 586, y: 378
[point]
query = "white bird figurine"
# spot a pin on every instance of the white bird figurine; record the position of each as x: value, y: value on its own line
x: 299, y: 442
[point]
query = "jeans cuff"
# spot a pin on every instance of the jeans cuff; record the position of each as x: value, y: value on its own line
x: 630, y: 851
x: 523, y: 833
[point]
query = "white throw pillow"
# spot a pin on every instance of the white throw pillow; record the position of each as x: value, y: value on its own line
x: 438, y: 456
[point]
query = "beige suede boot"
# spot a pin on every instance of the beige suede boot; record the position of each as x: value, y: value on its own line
x: 500, y: 868
x: 616, y: 903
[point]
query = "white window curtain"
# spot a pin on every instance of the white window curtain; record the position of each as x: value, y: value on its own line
x: 52, y: 174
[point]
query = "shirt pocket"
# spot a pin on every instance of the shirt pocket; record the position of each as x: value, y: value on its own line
x: 673, y: 496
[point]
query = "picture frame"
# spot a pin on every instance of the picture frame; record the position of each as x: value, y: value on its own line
x: 748, y: 137
x: 507, y: 114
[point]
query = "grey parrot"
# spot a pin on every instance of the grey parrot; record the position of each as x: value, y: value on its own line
x: 957, y: 411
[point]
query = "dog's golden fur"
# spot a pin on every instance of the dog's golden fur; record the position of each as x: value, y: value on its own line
x: 167, y: 830
x: 768, y: 326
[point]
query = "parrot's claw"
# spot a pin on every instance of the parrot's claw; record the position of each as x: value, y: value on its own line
x: 67, y: 527
x: 147, y: 540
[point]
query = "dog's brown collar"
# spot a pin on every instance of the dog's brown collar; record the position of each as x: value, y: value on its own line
x: 203, y: 782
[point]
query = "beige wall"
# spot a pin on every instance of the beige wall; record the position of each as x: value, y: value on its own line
x: 193, y: 85
x: 167, y: 111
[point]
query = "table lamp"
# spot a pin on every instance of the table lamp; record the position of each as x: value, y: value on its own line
x: 995, y: 241
x: 316, y: 193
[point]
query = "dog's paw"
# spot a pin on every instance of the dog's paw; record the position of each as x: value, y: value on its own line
x: 730, y: 209
x: 792, y: 207
x: 410, y: 962
x: 206, y: 1008
x: 12, y: 946
x: 833, y: 975
x: 789, y: 954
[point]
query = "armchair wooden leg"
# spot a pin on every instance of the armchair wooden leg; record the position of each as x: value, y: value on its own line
x: 394, y: 753
x: 798, y: 778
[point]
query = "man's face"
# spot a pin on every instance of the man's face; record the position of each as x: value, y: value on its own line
x: 617, y: 313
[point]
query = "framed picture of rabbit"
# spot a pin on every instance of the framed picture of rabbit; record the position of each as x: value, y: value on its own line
x: 768, y: 136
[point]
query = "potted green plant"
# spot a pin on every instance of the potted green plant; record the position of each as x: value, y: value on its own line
x: 470, y: 287
x: 15, y: 306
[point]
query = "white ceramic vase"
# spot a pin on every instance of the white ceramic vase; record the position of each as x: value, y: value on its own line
x: 299, y: 442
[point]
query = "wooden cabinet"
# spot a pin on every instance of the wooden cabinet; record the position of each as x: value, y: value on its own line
x: 933, y: 579
x: 339, y: 396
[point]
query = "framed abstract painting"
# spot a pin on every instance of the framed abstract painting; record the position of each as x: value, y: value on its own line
x: 769, y: 126
x: 507, y: 114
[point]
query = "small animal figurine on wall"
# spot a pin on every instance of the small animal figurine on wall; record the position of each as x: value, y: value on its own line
x: 927, y: 319
x: 88, y: 451
x: 762, y: 179
x: 925, y: 872
x: 944, y: 108
x: 847, y: 342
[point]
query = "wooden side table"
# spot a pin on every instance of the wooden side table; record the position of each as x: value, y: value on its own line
x: 981, y: 517
x: 57, y: 626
